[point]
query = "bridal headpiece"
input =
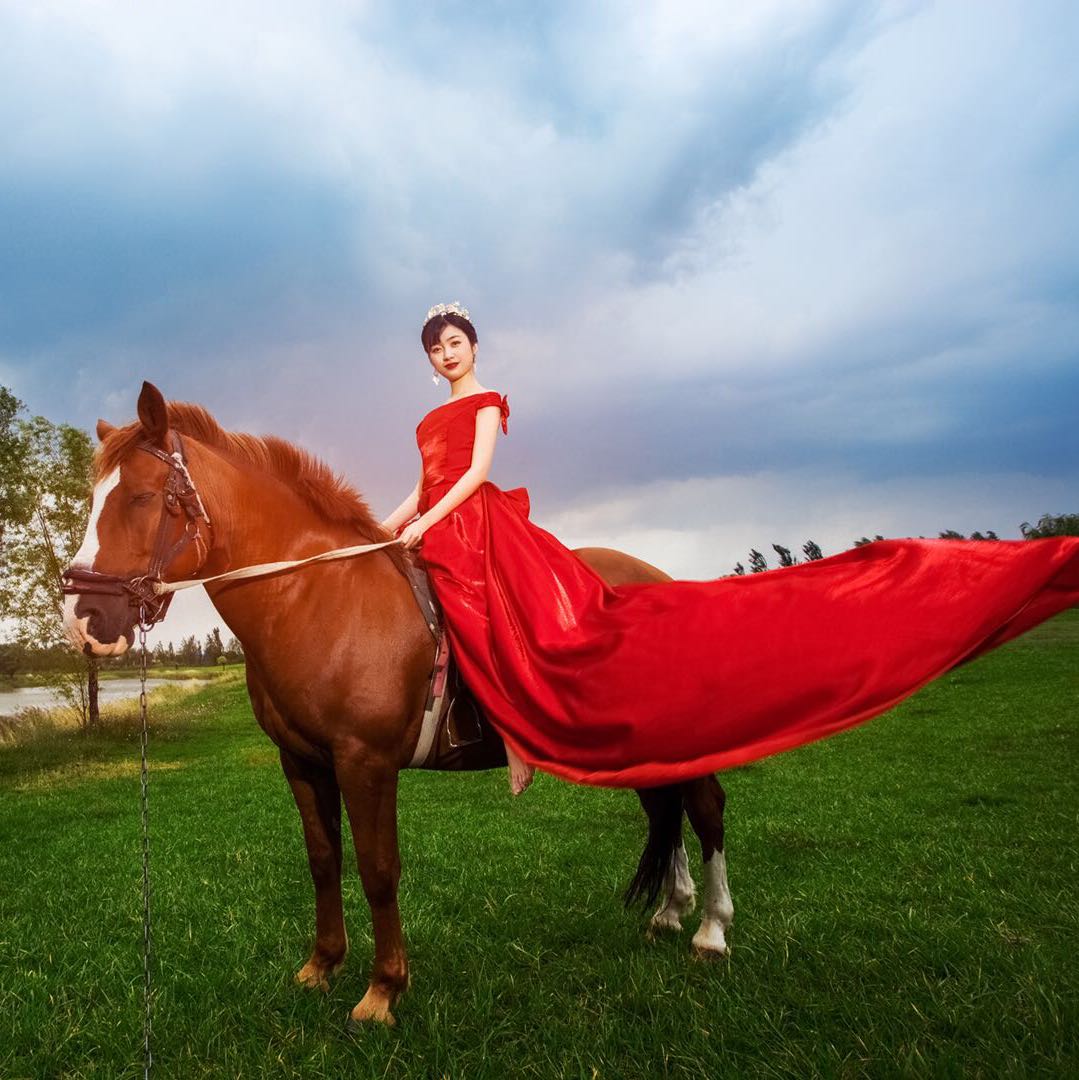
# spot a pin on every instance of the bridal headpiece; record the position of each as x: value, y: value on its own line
x: 447, y: 309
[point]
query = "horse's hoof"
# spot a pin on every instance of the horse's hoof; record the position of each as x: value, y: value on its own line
x: 663, y: 922
x: 700, y: 953
x: 710, y: 947
x: 373, y: 1007
x: 314, y: 976
x: 312, y: 979
x: 710, y: 941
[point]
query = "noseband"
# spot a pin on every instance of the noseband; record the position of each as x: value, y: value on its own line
x: 178, y: 495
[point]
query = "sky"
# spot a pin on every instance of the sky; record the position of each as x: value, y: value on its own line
x: 747, y: 273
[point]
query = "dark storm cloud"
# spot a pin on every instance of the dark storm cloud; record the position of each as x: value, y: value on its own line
x: 93, y: 259
x: 698, y: 240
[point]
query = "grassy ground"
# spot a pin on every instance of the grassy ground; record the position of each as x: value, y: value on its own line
x: 905, y: 906
x: 15, y: 682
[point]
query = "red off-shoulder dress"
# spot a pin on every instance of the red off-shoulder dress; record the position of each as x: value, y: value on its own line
x: 644, y: 684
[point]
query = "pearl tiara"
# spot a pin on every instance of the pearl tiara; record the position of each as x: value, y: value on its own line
x: 447, y: 309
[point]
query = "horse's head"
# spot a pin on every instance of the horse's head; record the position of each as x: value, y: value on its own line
x: 145, y: 519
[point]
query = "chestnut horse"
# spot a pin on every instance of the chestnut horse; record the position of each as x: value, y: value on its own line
x: 338, y: 656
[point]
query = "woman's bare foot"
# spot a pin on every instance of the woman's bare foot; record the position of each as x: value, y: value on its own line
x: 521, y: 772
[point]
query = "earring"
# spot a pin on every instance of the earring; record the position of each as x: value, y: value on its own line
x: 434, y: 378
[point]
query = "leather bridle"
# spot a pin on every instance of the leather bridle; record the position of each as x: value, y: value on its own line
x: 179, y: 495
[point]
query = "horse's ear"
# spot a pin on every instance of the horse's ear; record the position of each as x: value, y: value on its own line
x: 153, y: 414
x: 104, y: 429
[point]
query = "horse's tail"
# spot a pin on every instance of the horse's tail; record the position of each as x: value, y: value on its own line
x: 663, y: 805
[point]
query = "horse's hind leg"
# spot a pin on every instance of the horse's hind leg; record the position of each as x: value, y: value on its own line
x: 679, y: 896
x: 663, y: 870
x: 704, y: 800
x: 318, y: 799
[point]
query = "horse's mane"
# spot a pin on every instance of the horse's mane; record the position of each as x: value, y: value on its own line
x: 313, y: 480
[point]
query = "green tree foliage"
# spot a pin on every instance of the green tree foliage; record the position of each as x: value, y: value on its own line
x: 1050, y: 525
x: 15, y: 507
x: 189, y: 654
x: 214, y: 648
x: 165, y: 654
x: 45, y: 505
x: 812, y: 551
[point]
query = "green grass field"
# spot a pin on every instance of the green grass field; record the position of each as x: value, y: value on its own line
x: 207, y: 671
x: 905, y: 905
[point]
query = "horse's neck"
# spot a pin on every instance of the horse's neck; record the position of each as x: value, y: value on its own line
x: 259, y: 518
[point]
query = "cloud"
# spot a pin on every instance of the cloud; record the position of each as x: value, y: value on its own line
x: 700, y: 241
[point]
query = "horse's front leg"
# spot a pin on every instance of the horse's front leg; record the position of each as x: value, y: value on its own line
x: 369, y: 786
x: 318, y: 799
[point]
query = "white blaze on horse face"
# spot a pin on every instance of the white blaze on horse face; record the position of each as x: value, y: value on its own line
x: 718, y: 908
x: 86, y: 555
x: 91, y: 542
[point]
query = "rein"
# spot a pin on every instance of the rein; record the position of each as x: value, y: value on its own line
x: 258, y: 570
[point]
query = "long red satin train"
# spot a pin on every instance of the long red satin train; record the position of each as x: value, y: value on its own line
x: 644, y: 684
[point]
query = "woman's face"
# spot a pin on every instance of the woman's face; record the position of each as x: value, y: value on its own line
x: 453, y: 354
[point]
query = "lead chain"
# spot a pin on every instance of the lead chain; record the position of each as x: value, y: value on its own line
x: 147, y: 951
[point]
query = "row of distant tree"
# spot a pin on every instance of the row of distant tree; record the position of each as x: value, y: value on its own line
x: 190, y: 653
x: 24, y: 658
x: 1048, y: 525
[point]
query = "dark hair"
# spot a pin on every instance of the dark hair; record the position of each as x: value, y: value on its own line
x: 432, y: 329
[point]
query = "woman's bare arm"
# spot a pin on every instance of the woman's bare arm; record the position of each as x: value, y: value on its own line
x: 483, y: 452
x: 408, y: 509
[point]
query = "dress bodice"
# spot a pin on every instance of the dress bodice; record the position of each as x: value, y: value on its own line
x: 445, y: 437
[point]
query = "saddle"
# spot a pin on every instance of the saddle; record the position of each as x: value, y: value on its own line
x: 455, y: 734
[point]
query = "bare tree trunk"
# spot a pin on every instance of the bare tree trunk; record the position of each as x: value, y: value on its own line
x: 94, y: 716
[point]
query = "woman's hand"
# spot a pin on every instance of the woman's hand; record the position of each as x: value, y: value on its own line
x: 412, y: 533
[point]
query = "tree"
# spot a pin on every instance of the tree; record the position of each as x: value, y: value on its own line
x: 46, y: 505
x: 757, y: 562
x: 189, y: 654
x: 165, y: 654
x: 213, y: 649
x: 785, y: 557
x: 812, y: 551
x: 14, y: 502
x: 1048, y: 525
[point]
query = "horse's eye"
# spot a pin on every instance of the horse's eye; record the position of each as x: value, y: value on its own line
x: 143, y: 496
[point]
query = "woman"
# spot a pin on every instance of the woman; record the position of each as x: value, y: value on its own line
x: 451, y: 474
x: 651, y: 683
